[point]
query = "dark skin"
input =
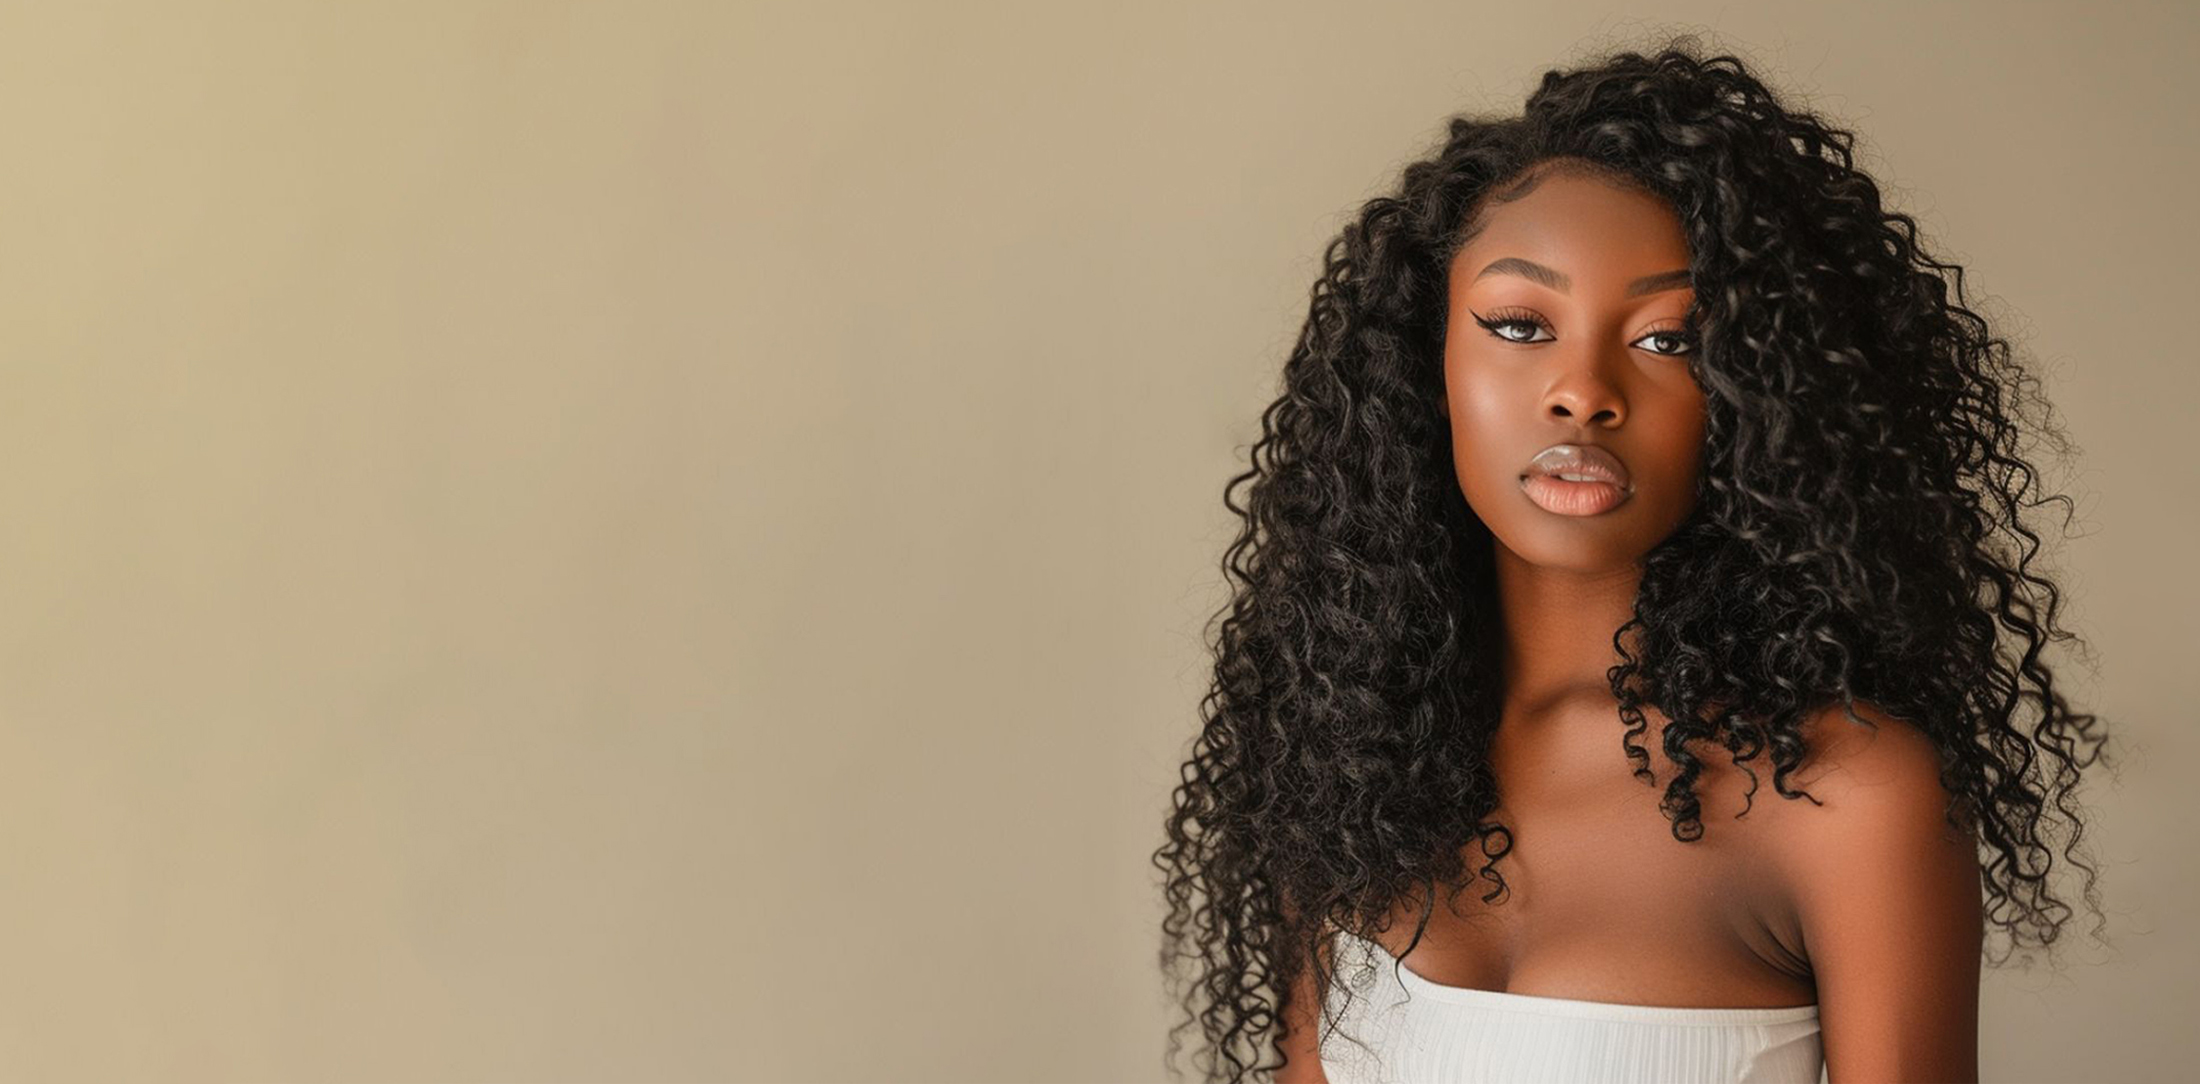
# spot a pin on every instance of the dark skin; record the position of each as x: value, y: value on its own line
x: 1867, y: 905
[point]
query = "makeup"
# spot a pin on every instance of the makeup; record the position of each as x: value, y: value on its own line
x: 1572, y: 498
x: 1576, y: 480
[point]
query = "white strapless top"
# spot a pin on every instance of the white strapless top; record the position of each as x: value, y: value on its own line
x: 1422, y: 1032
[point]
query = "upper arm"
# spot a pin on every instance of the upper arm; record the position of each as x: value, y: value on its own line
x: 1886, y: 894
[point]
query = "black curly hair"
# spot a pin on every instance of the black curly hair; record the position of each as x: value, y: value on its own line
x: 1859, y: 507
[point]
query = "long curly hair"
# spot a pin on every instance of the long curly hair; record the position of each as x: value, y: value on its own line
x: 1860, y: 509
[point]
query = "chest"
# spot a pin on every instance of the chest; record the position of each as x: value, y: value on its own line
x: 1602, y: 902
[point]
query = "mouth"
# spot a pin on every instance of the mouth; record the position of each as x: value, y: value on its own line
x: 1576, y: 480
x: 1579, y: 463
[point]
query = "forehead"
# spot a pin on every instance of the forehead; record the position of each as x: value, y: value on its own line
x: 1584, y: 226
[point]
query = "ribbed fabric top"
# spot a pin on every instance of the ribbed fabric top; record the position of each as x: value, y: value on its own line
x: 1422, y: 1032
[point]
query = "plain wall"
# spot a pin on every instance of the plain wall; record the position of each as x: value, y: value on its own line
x: 641, y: 541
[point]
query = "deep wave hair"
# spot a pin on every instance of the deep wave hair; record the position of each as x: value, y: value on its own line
x: 1859, y: 511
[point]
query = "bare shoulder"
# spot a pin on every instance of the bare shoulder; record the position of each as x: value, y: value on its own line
x: 1871, y: 795
x: 1873, y: 782
x: 1854, y: 771
x: 1883, y: 892
x: 1873, y: 770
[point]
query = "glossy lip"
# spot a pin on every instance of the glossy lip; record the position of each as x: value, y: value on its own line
x: 1573, y: 498
x: 1590, y: 460
x: 1610, y: 489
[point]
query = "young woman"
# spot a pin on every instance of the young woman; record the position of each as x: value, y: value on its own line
x: 1636, y: 541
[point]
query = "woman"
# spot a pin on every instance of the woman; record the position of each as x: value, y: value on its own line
x: 1633, y: 456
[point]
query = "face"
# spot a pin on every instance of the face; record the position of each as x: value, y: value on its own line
x: 1567, y: 328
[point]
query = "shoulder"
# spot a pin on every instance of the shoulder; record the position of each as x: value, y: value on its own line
x: 1870, y: 767
x: 1875, y: 795
x: 1885, y: 894
x: 1871, y: 772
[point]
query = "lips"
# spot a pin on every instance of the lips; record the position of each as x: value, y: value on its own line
x: 1581, y: 461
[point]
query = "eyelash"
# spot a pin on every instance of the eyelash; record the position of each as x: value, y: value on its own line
x: 1503, y: 317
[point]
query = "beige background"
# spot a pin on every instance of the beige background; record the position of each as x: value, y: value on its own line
x: 647, y: 542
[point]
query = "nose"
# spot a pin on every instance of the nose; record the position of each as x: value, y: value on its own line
x: 1585, y: 394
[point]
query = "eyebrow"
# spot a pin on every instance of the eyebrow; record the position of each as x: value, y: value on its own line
x: 1535, y: 272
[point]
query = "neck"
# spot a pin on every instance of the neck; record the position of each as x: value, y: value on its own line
x: 1558, y: 627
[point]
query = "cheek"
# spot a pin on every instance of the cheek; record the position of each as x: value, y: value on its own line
x: 1477, y: 397
x: 1683, y: 447
x: 1486, y: 430
x: 1689, y: 447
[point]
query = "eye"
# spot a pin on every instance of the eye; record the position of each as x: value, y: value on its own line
x: 1675, y: 335
x: 1530, y: 322
x: 1517, y: 326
